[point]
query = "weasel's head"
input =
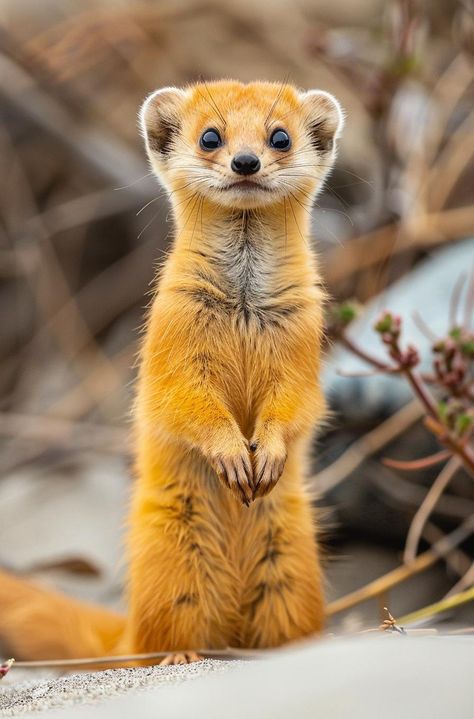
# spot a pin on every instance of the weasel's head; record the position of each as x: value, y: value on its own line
x: 241, y: 146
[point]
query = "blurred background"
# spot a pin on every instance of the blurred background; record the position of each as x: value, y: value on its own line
x: 84, y: 225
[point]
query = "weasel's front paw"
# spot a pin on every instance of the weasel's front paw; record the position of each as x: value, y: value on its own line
x: 234, y: 469
x: 269, y: 462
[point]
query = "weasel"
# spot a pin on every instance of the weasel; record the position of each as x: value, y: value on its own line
x: 222, y: 547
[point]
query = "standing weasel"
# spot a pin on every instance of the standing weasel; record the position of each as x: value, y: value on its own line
x: 222, y: 548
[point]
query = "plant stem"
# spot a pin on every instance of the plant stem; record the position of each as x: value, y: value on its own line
x: 442, y: 606
x: 359, y: 352
x: 416, y: 383
x: 396, y: 576
x: 427, y: 506
x: 421, y: 392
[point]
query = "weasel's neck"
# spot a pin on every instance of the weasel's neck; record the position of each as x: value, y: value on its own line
x: 255, y: 253
x: 280, y: 225
x: 277, y: 230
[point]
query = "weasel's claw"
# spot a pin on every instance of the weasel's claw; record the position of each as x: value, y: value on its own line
x: 237, y: 474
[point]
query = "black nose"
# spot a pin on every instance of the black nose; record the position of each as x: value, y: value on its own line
x: 245, y: 163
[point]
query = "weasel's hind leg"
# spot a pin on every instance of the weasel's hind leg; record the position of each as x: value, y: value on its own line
x: 283, y: 599
x: 183, y: 586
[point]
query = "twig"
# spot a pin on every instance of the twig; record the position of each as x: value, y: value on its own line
x: 365, y: 447
x: 452, y: 161
x: 377, y: 246
x: 466, y: 581
x: 116, y: 289
x: 422, y: 463
x: 409, y: 495
x: 374, y: 361
x: 469, y: 304
x: 112, y: 159
x: 455, y: 300
x: 457, y: 560
x: 438, y: 607
x: 88, y: 208
x: 427, y: 506
x: 389, y: 328
x: 56, y: 278
x: 403, y: 572
x: 52, y: 430
x: 423, y: 327
x: 129, y: 658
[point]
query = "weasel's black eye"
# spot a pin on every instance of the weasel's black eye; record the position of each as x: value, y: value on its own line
x: 210, y: 140
x: 280, y: 140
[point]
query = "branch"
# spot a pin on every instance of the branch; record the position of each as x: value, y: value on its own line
x: 438, y: 607
x: 379, y: 245
x: 422, y: 463
x: 56, y: 431
x: 365, y: 447
x: 466, y: 581
x: 229, y: 652
x: 111, y: 159
x: 402, y: 573
x: 427, y: 506
x: 365, y: 356
x: 389, y: 327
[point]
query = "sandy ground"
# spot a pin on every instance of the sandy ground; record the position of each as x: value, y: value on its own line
x: 23, y: 692
x: 362, y: 678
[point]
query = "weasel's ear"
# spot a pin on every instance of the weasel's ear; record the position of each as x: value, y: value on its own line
x: 324, y: 118
x: 160, y: 119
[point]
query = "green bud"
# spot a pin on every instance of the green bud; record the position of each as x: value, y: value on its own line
x: 463, y: 423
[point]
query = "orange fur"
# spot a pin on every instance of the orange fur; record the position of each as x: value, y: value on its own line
x: 37, y: 623
x: 222, y: 547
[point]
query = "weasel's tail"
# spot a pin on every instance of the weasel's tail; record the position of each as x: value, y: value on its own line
x: 36, y: 623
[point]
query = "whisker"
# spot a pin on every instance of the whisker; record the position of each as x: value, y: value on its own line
x: 169, y: 193
x: 312, y: 204
x: 193, y: 197
x: 202, y: 206
x: 339, y: 169
x: 213, y: 162
x: 296, y: 221
x: 201, y: 199
x: 294, y: 153
x: 306, y: 208
x: 328, y: 209
x: 287, y: 114
x: 148, y: 224
x: 206, y: 159
x: 139, y: 179
x: 275, y: 102
x: 336, y: 194
x: 185, y: 199
x: 212, y: 102
x: 148, y: 205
